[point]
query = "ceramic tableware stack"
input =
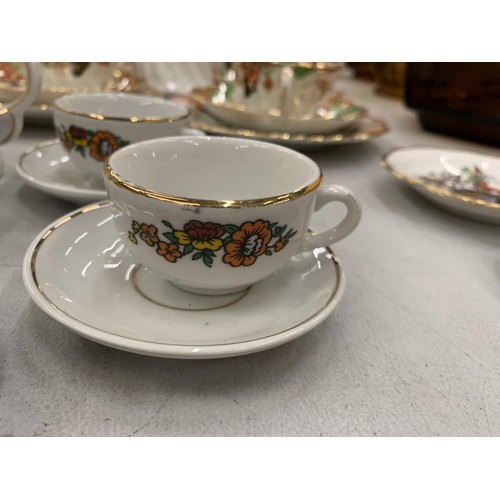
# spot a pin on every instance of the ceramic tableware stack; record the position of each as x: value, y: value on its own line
x: 193, y: 256
x: 90, y: 127
x: 294, y: 104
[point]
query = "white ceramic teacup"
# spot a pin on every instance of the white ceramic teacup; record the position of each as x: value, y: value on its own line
x: 93, y: 126
x: 215, y: 214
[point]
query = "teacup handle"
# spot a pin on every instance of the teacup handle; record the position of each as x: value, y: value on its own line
x: 334, y: 192
x: 19, y: 107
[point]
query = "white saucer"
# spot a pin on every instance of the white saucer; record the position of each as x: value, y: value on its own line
x: 47, y: 167
x: 448, y: 179
x: 79, y: 272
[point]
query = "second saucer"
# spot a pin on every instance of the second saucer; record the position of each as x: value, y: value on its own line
x: 48, y: 168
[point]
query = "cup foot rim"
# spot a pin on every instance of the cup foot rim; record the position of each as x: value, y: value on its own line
x: 211, y: 291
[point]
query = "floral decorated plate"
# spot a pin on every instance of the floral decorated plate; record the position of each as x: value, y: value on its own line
x: 48, y: 168
x: 466, y: 183
x: 331, y: 117
x: 362, y: 130
x: 78, y: 271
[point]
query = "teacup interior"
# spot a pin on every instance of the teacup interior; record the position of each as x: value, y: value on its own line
x: 214, y: 168
x: 120, y: 105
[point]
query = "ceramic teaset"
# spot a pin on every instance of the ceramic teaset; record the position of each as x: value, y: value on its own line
x: 293, y: 104
x: 194, y: 256
x: 203, y: 248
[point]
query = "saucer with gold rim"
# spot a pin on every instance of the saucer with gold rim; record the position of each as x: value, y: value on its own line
x: 465, y: 183
x: 364, y: 129
x: 79, y: 273
x: 48, y: 168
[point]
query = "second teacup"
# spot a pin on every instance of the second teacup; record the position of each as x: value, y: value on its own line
x: 93, y: 126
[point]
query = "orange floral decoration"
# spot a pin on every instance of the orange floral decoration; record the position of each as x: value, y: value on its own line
x: 102, y: 145
x: 149, y: 235
x: 169, y: 251
x: 280, y: 244
x: 248, y: 243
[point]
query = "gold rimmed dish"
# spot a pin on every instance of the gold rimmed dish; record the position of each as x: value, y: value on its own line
x: 466, y: 183
x: 77, y: 271
x: 362, y: 130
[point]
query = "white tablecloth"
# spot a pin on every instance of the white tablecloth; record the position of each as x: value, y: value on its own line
x: 412, y: 349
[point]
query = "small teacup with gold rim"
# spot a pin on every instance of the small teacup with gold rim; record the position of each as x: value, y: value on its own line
x: 93, y: 126
x: 214, y: 215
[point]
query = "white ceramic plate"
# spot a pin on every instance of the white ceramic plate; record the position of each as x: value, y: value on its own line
x: 80, y: 274
x: 465, y: 183
x: 362, y: 130
x: 47, y: 167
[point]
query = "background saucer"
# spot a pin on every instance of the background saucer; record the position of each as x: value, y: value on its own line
x: 415, y: 165
x: 47, y: 167
x: 364, y: 129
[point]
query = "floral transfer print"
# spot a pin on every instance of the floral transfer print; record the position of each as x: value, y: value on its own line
x: 472, y: 182
x: 99, y: 145
x: 248, y: 243
x: 237, y: 245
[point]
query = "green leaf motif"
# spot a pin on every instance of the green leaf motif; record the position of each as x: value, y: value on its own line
x: 167, y: 224
x: 272, y: 225
x: 188, y: 249
x: 90, y: 134
x: 230, y: 228
x: 171, y: 237
x: 287, y: 236
x: 293, y: 234
x: 197, y: 256
x: 227, y: 240
x: 207, y: 260
x: 268, y: 252
x: 81, y: 151
x: 209, y: 252
x: 279, y: 231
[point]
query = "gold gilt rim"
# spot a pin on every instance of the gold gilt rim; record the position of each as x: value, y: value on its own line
x: 20, y: 99
x: 434, y: 189
x: 202, y: 96
x: 363, y: 133
x: 32, y: 263
x: 257, y: 202
x: 131, y: 119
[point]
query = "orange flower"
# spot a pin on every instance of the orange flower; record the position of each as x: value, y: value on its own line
x: 279, y: 245
x: 169, y: 251
x: 247, y: 243
x: 148, y: 234
x: 102, y: 145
